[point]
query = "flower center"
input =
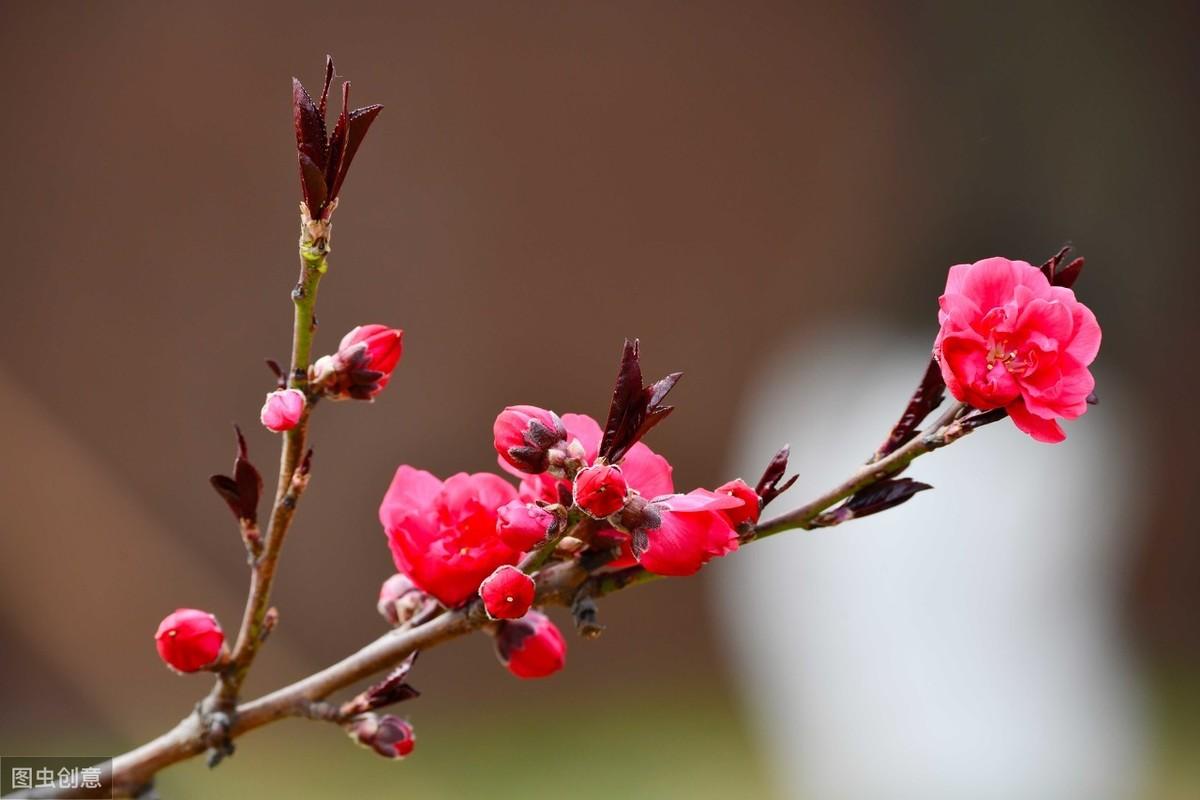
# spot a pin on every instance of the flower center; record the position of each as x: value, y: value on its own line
x: 998, y: 353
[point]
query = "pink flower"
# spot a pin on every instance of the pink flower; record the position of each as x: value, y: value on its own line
x: 524, y: 436
x: 531, y: 647
x: 747, y: 513
x: 189, y: 639
x: 600, y: 490
x: 683, y: 532
x: 1009, y: 339
x: 362, y: 365
x: 522, y: 526
x: 507, y: 593
x: 282, y: 410
x: 443, y: 534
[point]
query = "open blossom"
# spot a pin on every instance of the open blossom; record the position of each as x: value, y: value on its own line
x: 507, y: 593
x: 524, y: 436
x: 189, y: 639
x: 747, y: 513
x: 282, y: 410
x: 684, y: 532
x: 1010, y: 340
x: 531, y: 647
x: 442, y: 534
x: 362, y: 365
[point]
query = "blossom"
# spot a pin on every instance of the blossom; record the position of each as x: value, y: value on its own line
x: 442, y: 534
x: 747, y: 513
x: 531, y: 647
x: 507, y: 593
x: 362, y: 365
x: 389, y: 735
x: 524, y: 436
x: 600, y: 490
x: 282, y: 410
x: 522, y: 526
x: 1011, y: 340
x: 683, y: 532
x: 399, y: 599
x: 189, y: 639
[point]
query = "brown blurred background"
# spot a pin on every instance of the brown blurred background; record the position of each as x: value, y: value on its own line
x: 546, y: 178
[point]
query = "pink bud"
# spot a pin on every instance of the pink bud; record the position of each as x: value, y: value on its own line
x: 399, y: 599
x: 283, y: 410
x: 507, y: 593
x: 389, y: 736
x: 524, y: 436
x: 189, y: 639
x: 531, y: 647
x: 522, y: 526
x: 363, y: 364
x: 748, y: 512
x: 600, y: 490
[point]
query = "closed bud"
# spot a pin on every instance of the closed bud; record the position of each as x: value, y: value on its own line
x: 524, y: 436
x: 523, y: 526
x: 362, y: 366
x: 189, y: 639
x: 507, y: 593
x: 282, y: 410
x: 387, y: 735
x: 399, y: 599
x: 747, y: 513
x: 600, y: 490
x: 531, y: 647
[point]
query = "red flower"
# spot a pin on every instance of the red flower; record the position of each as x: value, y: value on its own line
x: 507, y: 593
x: 600, y: 490
x: 747, y: 513
x: 525, y: 435
x: 684, y: 532
x: 443, y: 534
x: 1010, y: 340
x: 389, y: 736
x: 282, y: 410
x: 362, y: 365
x: 189, y: 639
x: 531, y: 647
x: 522, y: 526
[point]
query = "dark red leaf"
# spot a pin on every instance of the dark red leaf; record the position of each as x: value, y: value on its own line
x: 768, y: 487
x: 242, y: 491
x: 359, y: 121
x: 873, y: 499
x: 312, y: 184
x: 635, y: 408
x: 1067, y: 276
x: 1051, y: 265
x: 325, y: 88
x: 310, y: 125
x: 928, y: 396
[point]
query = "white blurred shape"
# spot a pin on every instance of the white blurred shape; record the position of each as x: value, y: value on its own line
x: 963, y: 646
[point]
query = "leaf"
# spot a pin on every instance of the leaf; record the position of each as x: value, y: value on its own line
x: 871, y: 500
x: 1069, y: 274
x: 359, y: 121
x: 309, y: 124
x: 312, y: 185
x: 635, y: 408
x: 241, y: 492
x: 325, y: 89
x: 768, y: 487
x: 928, y: 396
x: 1052, y: 264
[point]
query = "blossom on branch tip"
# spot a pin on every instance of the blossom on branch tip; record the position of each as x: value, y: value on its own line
x: 523, y: 526
x: 189, y: 639
x: 524, y: 437
x: 388, y: 735
x: 600, y: 490
x: 362, y: 365
x: 1010, y: 339
x: 747, y: 513
x: 282, y: 410
x: 507, y: 593
x: 531, y: 647
x: 442, y: 534
x: 399, y: 599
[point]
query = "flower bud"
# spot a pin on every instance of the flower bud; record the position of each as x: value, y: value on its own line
x: 388, y: 735
x: 525, y: 435
x: 600, y: 490
x: 746, y: 514
x: 531, y: 647
x: 362, y: 366
x: 189, y: 639
x: 399, y: 599
x: 523, y: 526
x: 282, y: 410
x: 507, y: 593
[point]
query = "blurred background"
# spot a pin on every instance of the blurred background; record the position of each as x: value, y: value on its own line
x: 769, y: 195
